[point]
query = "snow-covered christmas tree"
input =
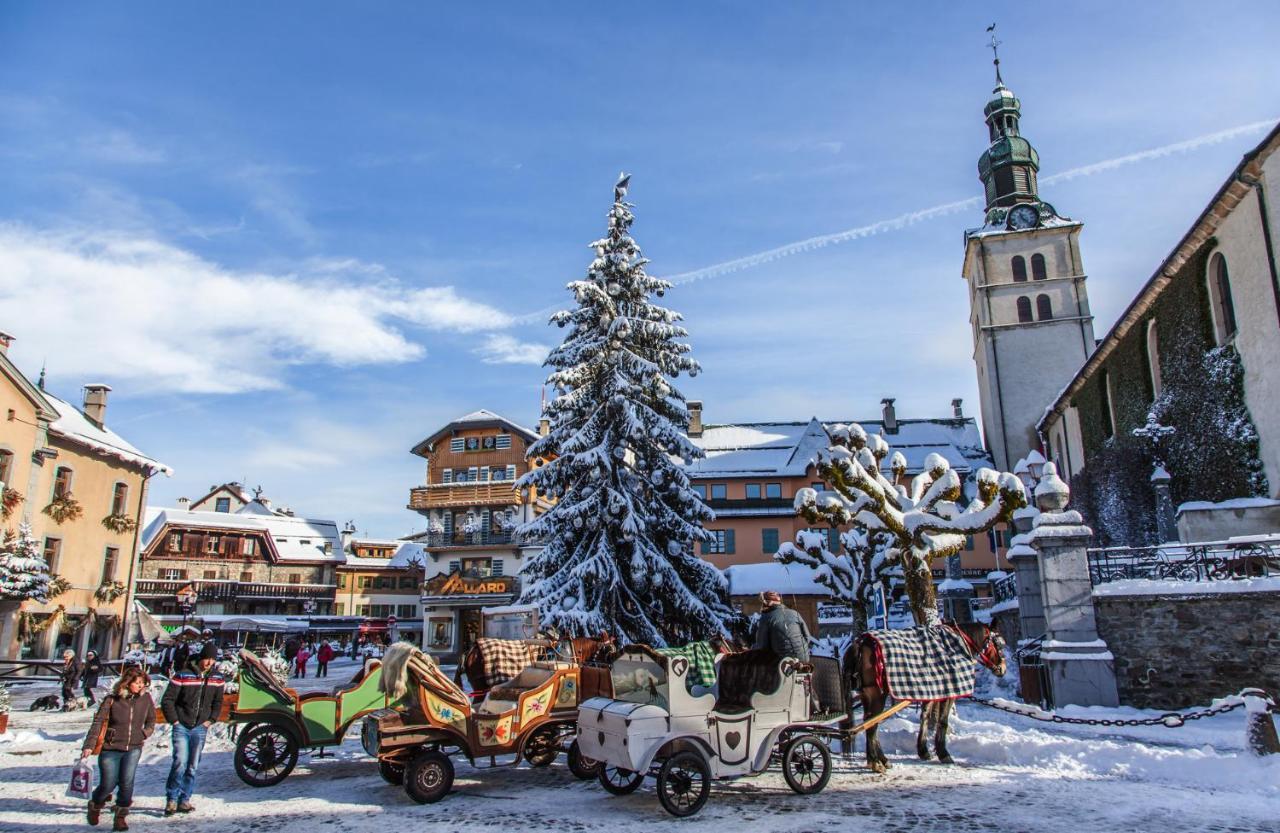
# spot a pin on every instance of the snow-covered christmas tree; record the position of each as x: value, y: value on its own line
x: 618, y: 553
x: 23, y: 571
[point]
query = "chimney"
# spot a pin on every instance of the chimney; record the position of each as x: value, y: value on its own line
x: 95, y: 403
x: 265, y: 501
x: 695, y: 417
x: 544, y: 426
x: 348, y: 532
x: 5, y: 341
x: 956, y: 410
x: 888, y: 416
x: 184, y: 503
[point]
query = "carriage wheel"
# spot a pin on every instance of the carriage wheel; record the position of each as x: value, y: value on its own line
x: 429, y: 777
x: 620, y: 781
x: 541, y: 748
x: 684, y: 783
x: 265, y: 755
x: 391, y: 772
x: 580, y: 765
x: 806, y: 764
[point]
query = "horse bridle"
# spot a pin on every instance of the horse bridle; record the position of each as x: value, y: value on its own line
x: 988, y: 646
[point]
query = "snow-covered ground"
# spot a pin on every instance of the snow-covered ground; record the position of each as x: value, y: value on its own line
x: 1014, y: 775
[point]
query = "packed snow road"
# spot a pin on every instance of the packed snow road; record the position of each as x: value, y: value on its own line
x: 1013, y: 776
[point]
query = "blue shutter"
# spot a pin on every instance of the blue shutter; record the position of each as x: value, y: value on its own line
x: 446, y: 476
x: 706, y: 547
x: 504, y: 441
x: 769, y: 540
x: 484, y: 521
x: 497, y: 566
x: 457, y: 444
x: 448, y: 523
x: 511, y: 472
x: 728, y: 541
x: 484, y: 474
x: 455, y: 566
x: 833, y: 539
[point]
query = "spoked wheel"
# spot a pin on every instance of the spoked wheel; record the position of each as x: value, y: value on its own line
x: 391, y: 772
x: 541, y: 748
x: 806, y: 764
x: 620, y: 781
x: 580, y: 765
x: 429, y: 777
x: 684, y: 783
x: 265, y: 755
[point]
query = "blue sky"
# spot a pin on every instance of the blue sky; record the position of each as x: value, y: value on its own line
x: 296, y: 238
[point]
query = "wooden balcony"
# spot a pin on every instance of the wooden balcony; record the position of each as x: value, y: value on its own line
x: 212, y: 590
x: 463, y: 495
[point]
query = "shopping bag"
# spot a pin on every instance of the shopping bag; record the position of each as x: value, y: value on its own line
x: 81, y: 785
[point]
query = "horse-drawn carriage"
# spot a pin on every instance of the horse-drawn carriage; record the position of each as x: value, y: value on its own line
x: 761, y: 711
x: 278, y: 721
x: 530, y: 717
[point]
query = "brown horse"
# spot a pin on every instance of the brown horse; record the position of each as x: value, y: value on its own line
x: 585, y: 651
x: 859, y: 664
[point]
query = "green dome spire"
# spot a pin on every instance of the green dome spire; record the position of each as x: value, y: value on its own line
x: 1009, y: 166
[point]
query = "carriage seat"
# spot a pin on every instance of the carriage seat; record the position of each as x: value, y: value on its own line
x: 355, y: 682
x: 741, y: 675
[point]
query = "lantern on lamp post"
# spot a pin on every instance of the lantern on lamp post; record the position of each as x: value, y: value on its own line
x: 187, y: 598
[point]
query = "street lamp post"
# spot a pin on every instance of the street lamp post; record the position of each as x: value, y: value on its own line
x: 186, y: 597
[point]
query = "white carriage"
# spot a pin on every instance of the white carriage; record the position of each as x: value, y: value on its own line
x: 686, y: 735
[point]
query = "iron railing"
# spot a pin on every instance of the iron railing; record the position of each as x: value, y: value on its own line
x: 467, y: 539
x: 1211, y: 561
x: 210, y: 590
x: 1005, y: 589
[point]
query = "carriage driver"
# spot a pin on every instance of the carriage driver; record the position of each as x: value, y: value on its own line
x: 781, y: 629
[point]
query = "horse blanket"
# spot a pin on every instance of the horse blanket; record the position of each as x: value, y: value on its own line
x: 501, y: 660
x: 922, y: 663
x: 702, y: 663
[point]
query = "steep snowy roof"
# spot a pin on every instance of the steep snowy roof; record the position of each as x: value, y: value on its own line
x: 781, y: 449
x: 786, y: 579
x: 293, y: 538
x: 73, y: 425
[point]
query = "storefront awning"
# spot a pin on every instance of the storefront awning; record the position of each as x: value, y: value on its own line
x: 477, y: 600
x: 257, y: 624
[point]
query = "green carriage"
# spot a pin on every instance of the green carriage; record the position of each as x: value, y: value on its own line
x: 276, y: 722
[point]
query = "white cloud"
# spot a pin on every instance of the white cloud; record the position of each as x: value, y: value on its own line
x: 133, y: 308
x: 505, y: 349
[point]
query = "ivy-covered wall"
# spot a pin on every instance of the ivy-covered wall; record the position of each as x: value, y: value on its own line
x: 1214, y: 453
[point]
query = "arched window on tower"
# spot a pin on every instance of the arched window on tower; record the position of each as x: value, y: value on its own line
x: 1019, y: 268
x: 1044, y: 307
x: 1024, y: 310
x: 1224, y: 310
x: 1037, y: 267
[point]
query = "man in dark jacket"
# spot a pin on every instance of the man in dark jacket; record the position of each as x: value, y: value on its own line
x: 92, y: 670
x: 70, y: 677
x: 191, y: 703
x: 781, y: 629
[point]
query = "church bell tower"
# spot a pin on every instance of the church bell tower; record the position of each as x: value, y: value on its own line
x: 1028, y: 305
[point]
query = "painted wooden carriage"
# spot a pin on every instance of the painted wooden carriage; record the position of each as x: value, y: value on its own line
x: 657, y: 724
x: 276, y: 722
x: 529, y: 718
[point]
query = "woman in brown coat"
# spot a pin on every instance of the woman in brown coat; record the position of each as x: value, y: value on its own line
x: 126, y: 718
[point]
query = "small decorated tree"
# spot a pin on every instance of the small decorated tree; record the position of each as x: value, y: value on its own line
x: 23, y: 571
x: 894, y: 529
x: 619, y: 539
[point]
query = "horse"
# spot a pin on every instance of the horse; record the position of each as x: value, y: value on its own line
x: 584, y: 651
x: 859, y: 665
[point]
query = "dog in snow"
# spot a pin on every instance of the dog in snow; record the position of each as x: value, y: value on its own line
x: 49, y: 702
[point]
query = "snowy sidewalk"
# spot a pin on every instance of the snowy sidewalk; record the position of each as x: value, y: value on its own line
x: 1013, y: 776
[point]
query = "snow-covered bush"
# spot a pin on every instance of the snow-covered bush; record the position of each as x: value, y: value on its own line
x: 229, y: 668
x: 6, y: 701
x: 23, y: 571
x: 619, y: 539
x: 277, y: 665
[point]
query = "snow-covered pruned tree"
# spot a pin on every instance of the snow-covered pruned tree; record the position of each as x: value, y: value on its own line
x: 618, y: 553
x: 894, y: 528
x: 23, y: 571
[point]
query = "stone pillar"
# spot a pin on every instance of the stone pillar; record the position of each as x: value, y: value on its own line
x: 1166, y: 518
x: 1081, y: 669
x: 956, y: 592
x: 1026, y: 566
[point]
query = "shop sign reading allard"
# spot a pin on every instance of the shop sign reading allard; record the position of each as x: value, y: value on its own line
x: 456, y: 584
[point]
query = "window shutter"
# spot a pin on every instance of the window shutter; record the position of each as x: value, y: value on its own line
x: 473, y: 473
x: 706, y: 547
x: 484, y: 521
x: 511, y: 471
x: 833, y: 539
x: 504, y: 441
x: 446, y: 476
x: 455, y: 566
x: 448, y: 523
x: 484, y: 474
x: 497, y: 566
x: 728, y: 541
x: 457, y: 444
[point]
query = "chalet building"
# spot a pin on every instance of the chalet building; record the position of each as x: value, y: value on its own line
x: 471, y: 507
x: 752, y: 471
x: 82, y: 488
x: 379, y: 579
x: 250, y: 561
x: 1197, y: 347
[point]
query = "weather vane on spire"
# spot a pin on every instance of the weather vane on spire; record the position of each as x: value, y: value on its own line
x: 995, y: 51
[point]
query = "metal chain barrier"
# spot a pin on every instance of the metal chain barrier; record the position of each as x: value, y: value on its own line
x: 1172, y: 720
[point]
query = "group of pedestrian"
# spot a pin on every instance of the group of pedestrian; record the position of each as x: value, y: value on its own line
x: 298, y: 653
x: 79, y: 676
x: 191, y: 704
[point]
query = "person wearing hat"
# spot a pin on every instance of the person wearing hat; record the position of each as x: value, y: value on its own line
x: 781, y: 629
x: 69, y: 675
x: 191, y: 704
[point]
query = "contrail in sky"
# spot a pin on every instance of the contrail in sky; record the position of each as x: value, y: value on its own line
x: 912, y: 217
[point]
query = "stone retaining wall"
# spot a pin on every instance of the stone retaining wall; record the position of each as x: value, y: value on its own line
x: 1175, y: 651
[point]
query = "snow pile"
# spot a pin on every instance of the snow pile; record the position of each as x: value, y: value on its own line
x: 1173, y: 587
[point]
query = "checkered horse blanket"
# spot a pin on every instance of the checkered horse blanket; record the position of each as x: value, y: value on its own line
x: 501, y: 660
x: 702, y: 663
x: 922, y: 663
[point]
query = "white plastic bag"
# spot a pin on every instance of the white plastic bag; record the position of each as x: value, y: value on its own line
x: 81, y: 785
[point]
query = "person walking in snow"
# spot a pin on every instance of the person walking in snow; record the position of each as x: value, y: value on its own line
x: 300, y: 662
x: 191, y: 704
x: 781, y: 629
x: 323, y: 657
x: 124, y: 721
x: 92, y: 670
x: 69, y: 675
